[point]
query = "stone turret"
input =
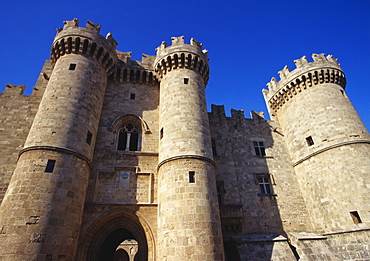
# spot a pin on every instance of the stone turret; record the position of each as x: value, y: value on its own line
x: 327, y: 141
x: 188, y: 216
x: 42, y: 209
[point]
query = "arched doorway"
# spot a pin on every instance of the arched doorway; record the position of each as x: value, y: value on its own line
x: 102, y: 240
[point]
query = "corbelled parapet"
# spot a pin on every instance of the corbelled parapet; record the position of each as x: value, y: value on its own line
x: 307, y: 74
x: 180, y: 55
x: 85, y: 41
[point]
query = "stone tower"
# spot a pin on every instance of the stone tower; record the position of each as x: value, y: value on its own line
x: 42, y: 210
x: 188, y: 216
x: 327, y: 142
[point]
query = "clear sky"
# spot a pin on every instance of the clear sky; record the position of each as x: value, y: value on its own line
x: 248, y: 41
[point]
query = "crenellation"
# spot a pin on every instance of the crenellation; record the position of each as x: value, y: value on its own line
x: 93, y: 26
x: 321, y: 70
x: 109, y: 151
x: 70, y: 23
x: 177, y: 40
x: 301, y: 62
x: 319, y: 57
x: 284, y: 72
x: 12, y: 89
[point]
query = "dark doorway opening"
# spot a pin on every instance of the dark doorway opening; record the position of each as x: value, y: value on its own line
x: 111, y: 242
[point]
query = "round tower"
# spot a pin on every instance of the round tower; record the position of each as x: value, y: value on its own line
x: 328, y: 143
x: 42, y: 209
x: 188, y: 216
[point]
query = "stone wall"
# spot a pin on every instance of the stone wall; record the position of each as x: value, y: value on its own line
x: 17, y: 114
x: 238, y: 168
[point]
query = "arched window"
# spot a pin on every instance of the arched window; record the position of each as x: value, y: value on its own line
x: 128, y: 137
x: 128, y: 130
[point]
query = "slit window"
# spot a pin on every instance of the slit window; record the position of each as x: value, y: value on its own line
x: 355, y: 217
x: 220, y: 192
x: 161, y: 134
x: 309, y: 141
x: 88, y: 137
x: 50, y: 166
x: 214, y: 150
x: 191, y: 176
x: 132, y: 96
x: 186, y: 80
x: 259, y: 148
x: 72, y: 66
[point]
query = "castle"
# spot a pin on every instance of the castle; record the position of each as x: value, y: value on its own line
x: 116, y: 159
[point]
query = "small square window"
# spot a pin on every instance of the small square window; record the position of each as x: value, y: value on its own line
x: 72, y: 66
x: 264, y: 183
x: 309, y: 141
x: 132, y: 96
x: 186, y: 80
x: 50, y: 166
x: 259, y: 148
x: 191, y: 176
x: 355, y: 217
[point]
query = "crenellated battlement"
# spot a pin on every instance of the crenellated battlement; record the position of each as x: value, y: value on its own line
x: 307, y: 74
x: 136, y: 72
x: 72, y: 39
x: 181, y: 55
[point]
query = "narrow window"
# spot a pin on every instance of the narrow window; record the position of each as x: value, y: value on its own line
x: 259, y: 148
x: 88, y: 137
x: 72, y: 66
x: 161, y: 134
x: 186, y: 80
x: 50, y: 166
x: 214, y: 151
x: 132, y: 96
x: 264, y: 184
x: 309, y: 141
x: 191, y: 176
x: 355, y: 217
x: 220, y: 192
x: 122, y: 138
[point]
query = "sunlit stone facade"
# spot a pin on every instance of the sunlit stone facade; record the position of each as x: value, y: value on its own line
x: 115, y: 159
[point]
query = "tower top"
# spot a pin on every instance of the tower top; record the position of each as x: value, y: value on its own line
x: 321, y: 70
x: 91, y: 31
x: 178, y: 44
x: 181, y: 55
x: 86, y: 41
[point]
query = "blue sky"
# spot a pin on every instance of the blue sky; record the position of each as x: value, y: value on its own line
x: 248, y: 41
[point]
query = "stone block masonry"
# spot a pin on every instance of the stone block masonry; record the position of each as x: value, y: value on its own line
x: 111, y: 157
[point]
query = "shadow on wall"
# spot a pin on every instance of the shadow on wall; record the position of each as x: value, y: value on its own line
x: 251, y: 223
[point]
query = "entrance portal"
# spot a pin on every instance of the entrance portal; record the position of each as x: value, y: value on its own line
x: 117, y: 236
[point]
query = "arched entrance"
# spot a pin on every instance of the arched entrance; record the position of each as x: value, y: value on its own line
x: 103, y: 239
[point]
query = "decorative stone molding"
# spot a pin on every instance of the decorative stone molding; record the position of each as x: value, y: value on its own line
x: 321, y: 70
x: 119, y: 121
